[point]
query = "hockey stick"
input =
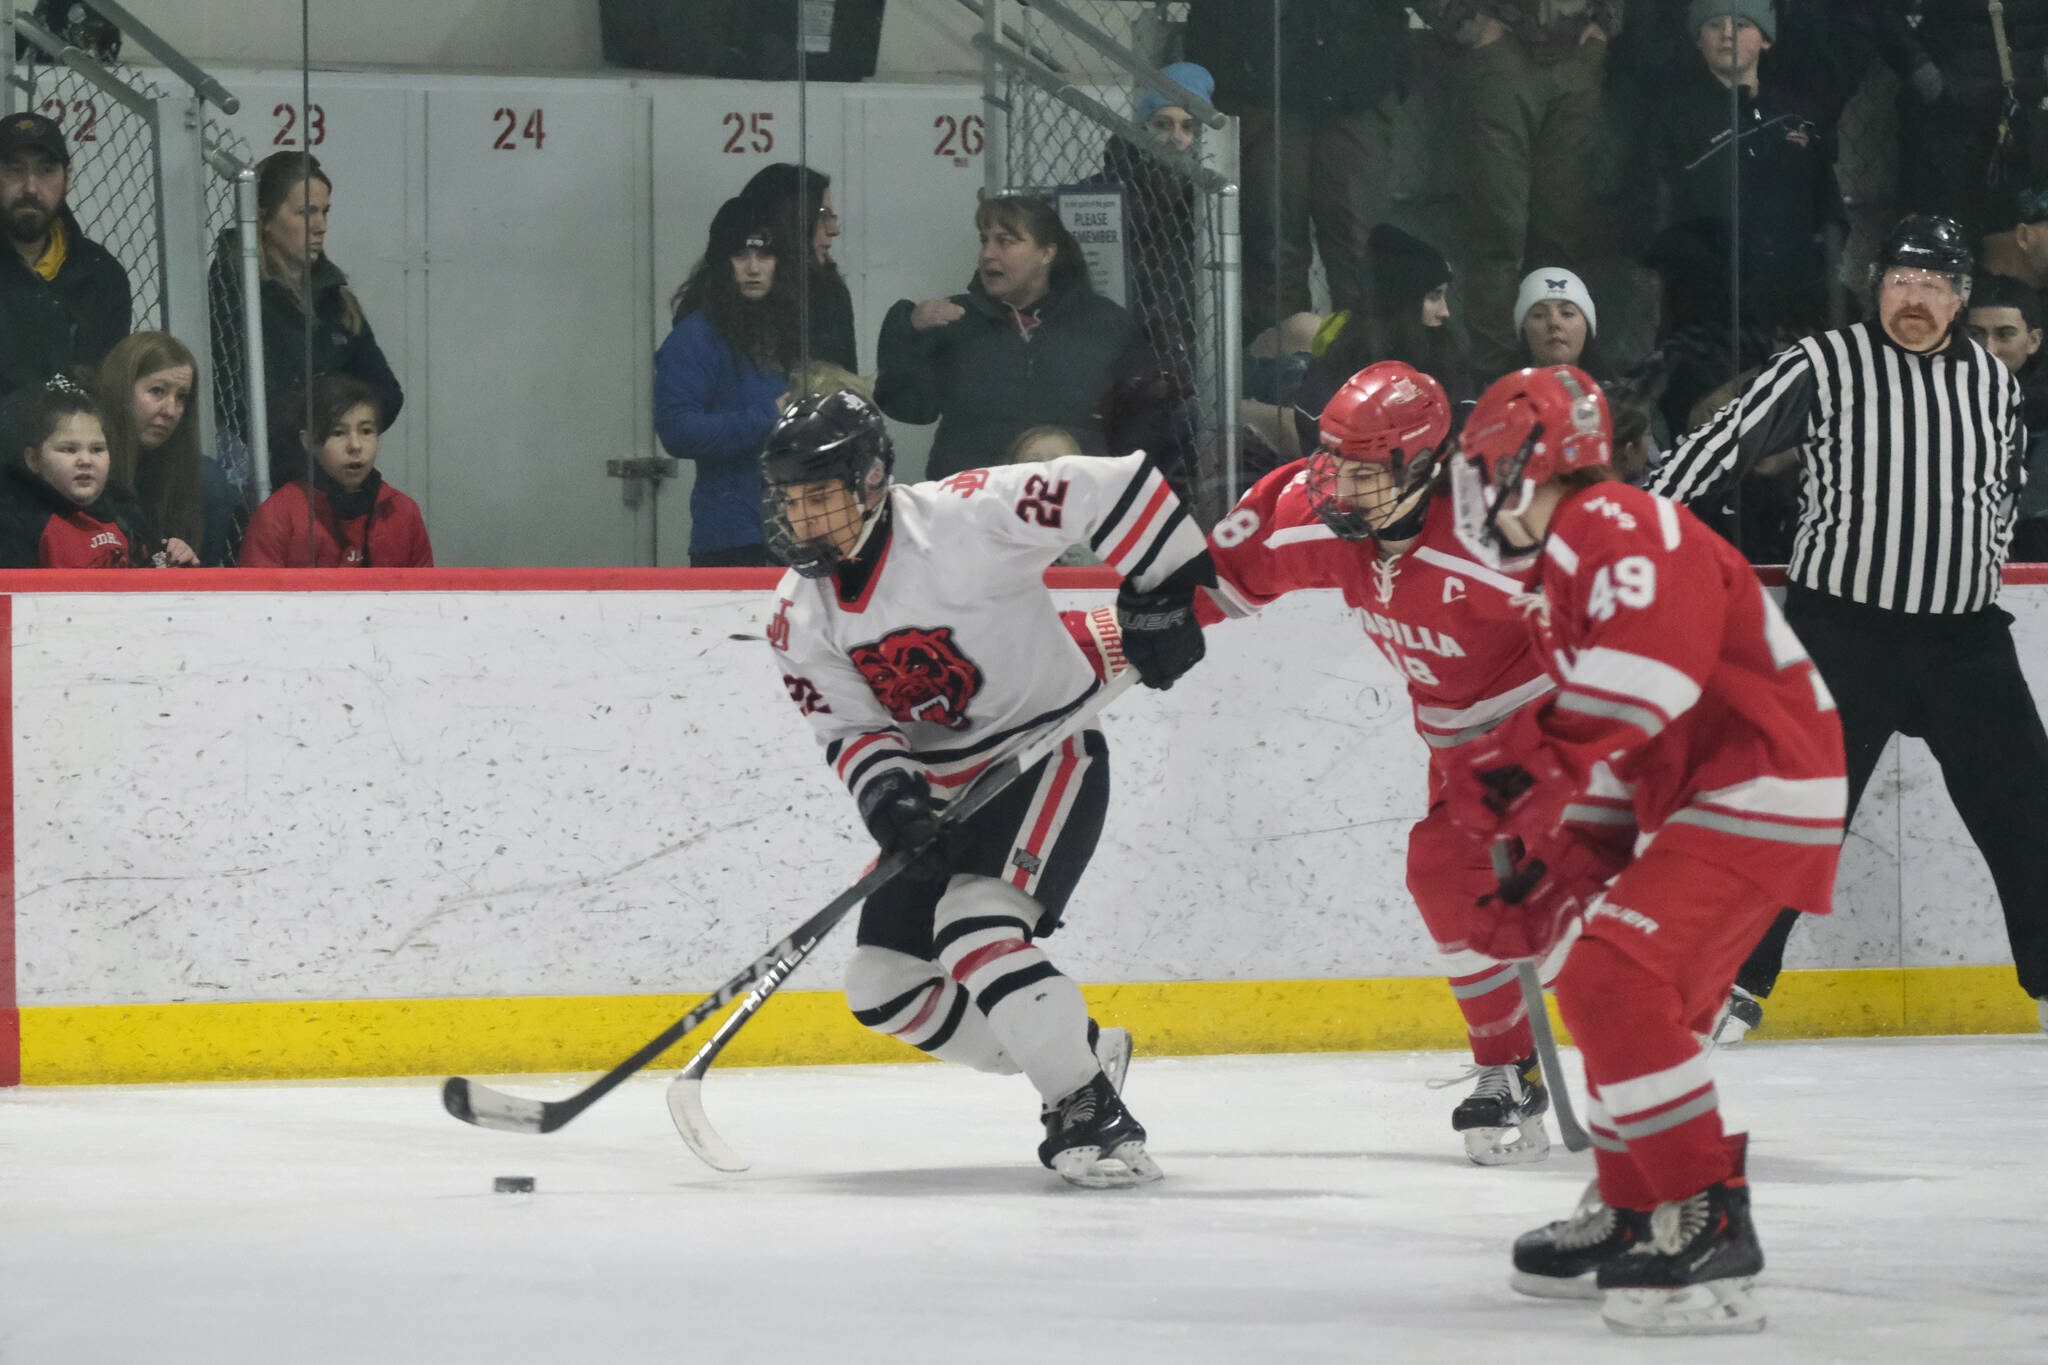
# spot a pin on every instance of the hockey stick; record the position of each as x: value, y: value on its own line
x: 477, y: 1103
x: 1575, y: 1139
x: 686, y: 1091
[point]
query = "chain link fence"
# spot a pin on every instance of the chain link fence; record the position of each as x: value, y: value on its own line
x: 116, y: 195
x: 1157, y: 223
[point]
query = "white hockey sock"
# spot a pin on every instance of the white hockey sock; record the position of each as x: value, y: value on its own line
x: 1034, y: 1011
x: 913, y: 1000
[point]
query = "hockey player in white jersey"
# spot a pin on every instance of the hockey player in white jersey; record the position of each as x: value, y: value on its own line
x: 916, y: 635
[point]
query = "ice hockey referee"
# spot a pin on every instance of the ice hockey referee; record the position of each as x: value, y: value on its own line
x: 1912, y: 453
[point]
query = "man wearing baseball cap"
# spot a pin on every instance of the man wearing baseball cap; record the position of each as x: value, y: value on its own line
x: 64, y: 300
x: 2020, y: 247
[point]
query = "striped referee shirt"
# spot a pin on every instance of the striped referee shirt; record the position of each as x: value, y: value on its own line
x: 1911, y: 465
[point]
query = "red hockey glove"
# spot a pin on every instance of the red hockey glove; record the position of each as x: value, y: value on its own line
x: 1549, y: 888
x: 1495, y: 788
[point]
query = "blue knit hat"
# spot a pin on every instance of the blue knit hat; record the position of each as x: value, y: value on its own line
x: 1195, y: 78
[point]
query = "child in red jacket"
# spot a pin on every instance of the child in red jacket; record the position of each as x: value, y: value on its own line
x: 346, y: 516
x: 56, y: 511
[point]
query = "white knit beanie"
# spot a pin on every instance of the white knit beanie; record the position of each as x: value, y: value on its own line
x: 1552, y: 283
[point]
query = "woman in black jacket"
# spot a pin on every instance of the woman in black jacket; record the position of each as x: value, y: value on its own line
x: 298, y: 278
x: 798, y: 201
x: 1029, y: 344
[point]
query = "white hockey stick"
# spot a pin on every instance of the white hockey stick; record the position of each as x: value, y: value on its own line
x: 1505, y: 854
x: 685, y: 1092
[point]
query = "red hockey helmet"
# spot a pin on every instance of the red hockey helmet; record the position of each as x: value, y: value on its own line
x: 1527, y: 428
x: 1392, y: 418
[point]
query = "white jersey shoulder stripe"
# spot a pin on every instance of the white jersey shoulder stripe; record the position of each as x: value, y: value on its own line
x: 1295, y: 535
x: 1487, y: 710
x: 1667, y: 522
x: 1618, y: 673
x: 1470, y: 568
x: 1565, y: 556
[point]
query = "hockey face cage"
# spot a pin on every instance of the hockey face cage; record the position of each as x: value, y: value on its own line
x: 1353, y: 517
x: 816, y: 525
x: 1390, y: 416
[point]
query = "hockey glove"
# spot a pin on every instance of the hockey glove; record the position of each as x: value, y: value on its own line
x: 1550, y: 887
x: 1161, y: 637
x: 898, y: 809
x: 1509, y: 783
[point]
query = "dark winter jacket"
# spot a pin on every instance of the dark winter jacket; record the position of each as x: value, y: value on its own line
x: 1955, y: 35
x: 715, y: 406
x: 985, y: 384
x: 1788, y: 182
x: 1159, y: 216
x: 832, y: 331
x: 375, y: 527
x: 52, y: 325
x: 1334, y: 58
x: 1549, y: 29
x: 40, y: 528
x: 336, y: 350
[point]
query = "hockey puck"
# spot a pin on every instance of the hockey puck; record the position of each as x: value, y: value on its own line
x: 513, y: 1184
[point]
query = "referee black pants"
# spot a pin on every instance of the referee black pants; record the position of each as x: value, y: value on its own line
x: 1955, y: 682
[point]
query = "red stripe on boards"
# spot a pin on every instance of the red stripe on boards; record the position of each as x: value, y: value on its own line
x: 10, y: 1009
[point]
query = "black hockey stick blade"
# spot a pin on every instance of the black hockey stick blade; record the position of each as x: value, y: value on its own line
x: 686, y: 1091
x: 477, y: 1103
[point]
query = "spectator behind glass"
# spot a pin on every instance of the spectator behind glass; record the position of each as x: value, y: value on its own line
x: 291, y: 231
x: 1951, y: 94
x: 63, y: 299
x: 344, y: 515
x: 1556, y: 323
x: 721, y: 378
x: 1159, y: 212
x: 832, y: 335
x: 1317, y: 146
x: 1788, y: 191
x: 2004, y: 317
x: 1403, y: 318
x: 1529, y: 141
x: 1029, y: 344
x: 56, y: 508
x: 2020, y: 246
x: 145, y: 393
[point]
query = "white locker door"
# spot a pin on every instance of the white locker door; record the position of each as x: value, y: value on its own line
x: 366, y: 141
x: 538, y: 242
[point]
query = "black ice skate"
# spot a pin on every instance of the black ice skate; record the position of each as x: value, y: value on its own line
x: 1742, y: 1013
x: 1560, y: 1260
x: 1502, y: 1119
x: 1692, y: 1275
x: 1112, y: 1049
x: 1091, y: 1140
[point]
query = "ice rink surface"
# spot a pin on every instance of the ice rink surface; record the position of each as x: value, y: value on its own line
x: 1315, y: 1208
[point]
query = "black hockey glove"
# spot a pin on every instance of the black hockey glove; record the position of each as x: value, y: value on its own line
x: 1161, y: 637
x: 897, y: 807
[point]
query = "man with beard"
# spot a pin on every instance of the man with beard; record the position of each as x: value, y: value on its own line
x: 1913, y: 447
x: 64, y: 300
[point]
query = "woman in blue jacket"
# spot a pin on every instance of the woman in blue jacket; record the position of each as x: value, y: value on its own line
x: 720, y: 379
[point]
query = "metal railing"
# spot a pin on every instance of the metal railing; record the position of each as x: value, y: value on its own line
x: 155, y: 181
x: 1055, y: 131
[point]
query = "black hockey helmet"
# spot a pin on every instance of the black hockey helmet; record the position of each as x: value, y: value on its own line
x: 1926, y: 241
x: 834, y: 438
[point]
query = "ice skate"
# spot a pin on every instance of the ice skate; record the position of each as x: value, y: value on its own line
x: 1502, y: 1119
x: 1691, y: 1275
x: 1112, y: 1049
x: 1742, y: 1013
x: 1094, y: 1142
x: 1560, y: 1260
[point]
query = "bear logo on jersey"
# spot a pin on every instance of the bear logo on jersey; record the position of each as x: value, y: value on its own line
x: 920, y: 674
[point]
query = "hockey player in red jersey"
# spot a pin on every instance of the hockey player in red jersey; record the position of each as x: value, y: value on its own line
x: 915, y: 633
x: 1685, y: 701
x: 1361, y: 515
